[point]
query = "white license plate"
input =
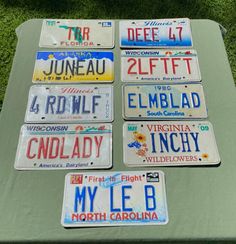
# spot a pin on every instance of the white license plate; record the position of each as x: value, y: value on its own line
x: 160, y: 66
x: 169, y: 143
x: 114, y: 198
x: 66, y: 33
x: 73, y: 67
x: 163, y: 101
x: 68, y: 103
x: 63, y: 146
x: 155, y: 33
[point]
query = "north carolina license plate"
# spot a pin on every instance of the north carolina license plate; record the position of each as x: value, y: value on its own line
x: 63, y: 146
x: 68, y: 103
x: 65, y: 33
x: 73, y: 67
x: 169, y: 143
x: 163, y: 101
x: 155, y: 33
x: 154, y: 65
x: 114, y: 198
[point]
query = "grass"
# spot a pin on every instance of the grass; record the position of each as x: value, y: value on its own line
x: 14, y: 12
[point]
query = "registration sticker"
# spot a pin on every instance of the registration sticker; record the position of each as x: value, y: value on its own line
x: 160, y: 66
x: 153, y: 101
x: 156, y: 33
x: 73, y: 67
x: 63, y: 146
x: 68, y: 103
x: 167, y: 143
x: 114, y: 198
x: 80, y: 33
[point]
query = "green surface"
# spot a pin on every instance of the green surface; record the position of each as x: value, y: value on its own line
x: 14, y: 12
x: 201, y: 200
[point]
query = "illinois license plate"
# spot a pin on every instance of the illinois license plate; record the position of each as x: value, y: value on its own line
x: 163, y: 101
x: 63, y: 146
x: 169, y: 143
x: 155, y: 33
x: 65, y: 33
x: 154, y: 65
x: 114, y: 198
x: 68, y: 103
x: 76, y: 67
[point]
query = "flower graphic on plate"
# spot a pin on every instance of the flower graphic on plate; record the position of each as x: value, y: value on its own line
x: 139, y: 144
x: 205, y: 156
x: 141, y: 152
x: 139, y: 137
x: 50, y: 56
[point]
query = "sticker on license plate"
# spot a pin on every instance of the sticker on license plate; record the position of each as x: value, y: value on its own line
x: 73, y: 67
x: 160, y: 65
x: 152, y: 101
x: 65, y: 33
x: 63, y: 146
x: 68, y: 103
x: 169, y: 143
x: 114, y: 198
x: 155, y: 33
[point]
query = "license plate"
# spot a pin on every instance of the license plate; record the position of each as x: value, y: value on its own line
x: 65, y: 33
x: 163, y: 101
x: 114, y: 198
x: 63, y: 146
x: 169, y: 143
x: 68, y: 103
x: 73, y: 67
x: 156, y: 33
x: 164, y: 66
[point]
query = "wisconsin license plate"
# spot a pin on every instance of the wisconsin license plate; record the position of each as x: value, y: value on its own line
x: 73, y: 67
x: 68, y: 103
x: 65, y: 33
x: 154, y: 65
x: 63, y: 146
x: 163, y: 102
x: 169, y: 143
x: 114, y: 198
x: 156, y: 33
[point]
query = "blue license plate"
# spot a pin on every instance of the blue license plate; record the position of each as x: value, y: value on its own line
x: 152, y: 102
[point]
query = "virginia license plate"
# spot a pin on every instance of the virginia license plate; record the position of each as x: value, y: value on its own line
x: 114, y: 198
x: 169, y: 143
x: 68, y: 103
x: 155, y: 33
x: 163, y: 101
x: 154, y: 65
x: 65, y: 33
x: 75, y: 66
x: 63, y: 146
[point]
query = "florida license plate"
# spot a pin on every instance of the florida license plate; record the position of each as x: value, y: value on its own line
x: 73, y: 67
x: 63, y: 146
x: 155, y: 33
x: 114, y: 198
x: 160, y: 65
x: 169, y: 143
x: 68, y: 103
x: 65, y: 33
x: 163, y: 101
